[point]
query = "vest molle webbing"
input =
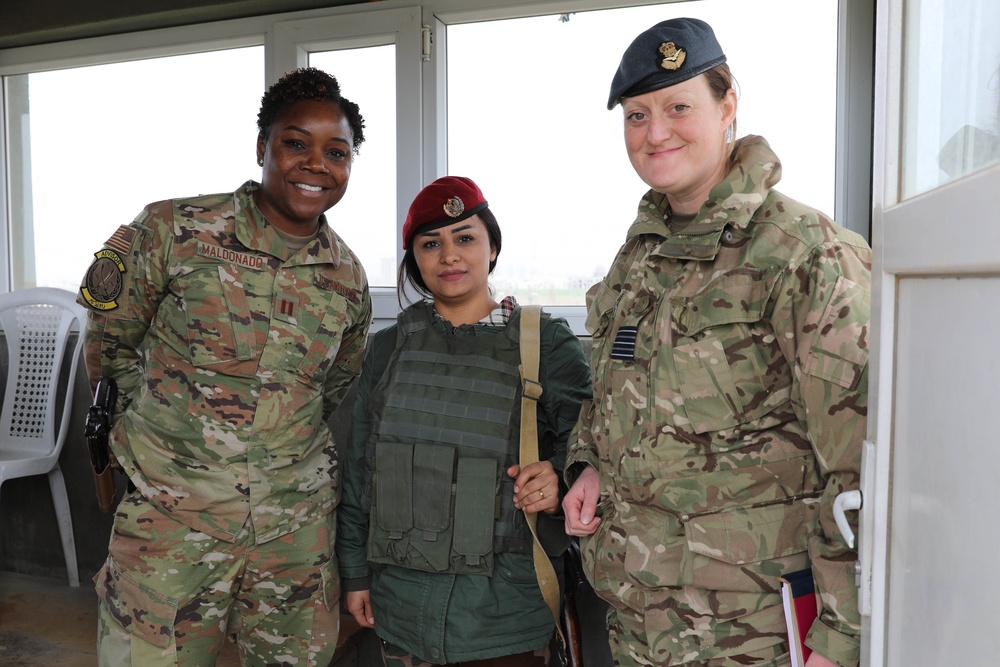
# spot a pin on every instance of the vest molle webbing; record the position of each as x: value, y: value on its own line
x: 447, y: 432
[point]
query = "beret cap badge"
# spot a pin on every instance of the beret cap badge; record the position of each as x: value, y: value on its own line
x: 673, y: 57
x: 671, y: 51
x: 454, y: 207
x: 461, y: 199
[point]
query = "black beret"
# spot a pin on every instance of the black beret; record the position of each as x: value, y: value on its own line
x: 670, y: 52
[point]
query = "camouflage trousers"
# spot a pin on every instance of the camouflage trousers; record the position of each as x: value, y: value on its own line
x: 170, y: 595
x: 394, y: 656
x: 633, y: 645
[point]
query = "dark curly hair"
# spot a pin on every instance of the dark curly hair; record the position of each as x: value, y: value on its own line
x: 308, y: 83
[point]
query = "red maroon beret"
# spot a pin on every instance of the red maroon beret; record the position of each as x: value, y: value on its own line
x: 446, y: 201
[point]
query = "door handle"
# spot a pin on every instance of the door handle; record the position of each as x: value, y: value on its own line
x: 848, y: 500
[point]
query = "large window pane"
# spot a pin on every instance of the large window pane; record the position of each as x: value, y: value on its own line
x: 366, y: 217
x: 952, y: 123
x: 96, y: 144
x: 527, y: 119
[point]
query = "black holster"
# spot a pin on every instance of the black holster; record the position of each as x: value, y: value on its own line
x: 100, y: 418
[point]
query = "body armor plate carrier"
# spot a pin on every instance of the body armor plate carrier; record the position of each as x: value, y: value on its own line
x: 446, y: 414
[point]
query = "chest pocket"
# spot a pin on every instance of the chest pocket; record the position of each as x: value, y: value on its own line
x: 730, y: 369
x: 219, y: 322
x: 317, y: 329
x: 326, y: 341
x: 601, y: 307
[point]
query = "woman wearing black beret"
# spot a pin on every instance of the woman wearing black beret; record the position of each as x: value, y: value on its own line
x: 730, y: 385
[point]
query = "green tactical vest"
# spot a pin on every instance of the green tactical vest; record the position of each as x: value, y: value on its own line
x: 446, y: 414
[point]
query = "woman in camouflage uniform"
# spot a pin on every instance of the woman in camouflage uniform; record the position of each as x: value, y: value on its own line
x: 233, y: 326
x: 730, y: 371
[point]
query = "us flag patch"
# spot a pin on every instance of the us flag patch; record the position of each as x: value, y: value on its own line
x: 121, y: 240
x: 624, y: 345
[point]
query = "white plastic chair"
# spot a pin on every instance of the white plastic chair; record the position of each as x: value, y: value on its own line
x: 36, y: 323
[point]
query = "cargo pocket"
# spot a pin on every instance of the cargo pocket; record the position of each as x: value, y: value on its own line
x: 433, y: 468
x: 393, y: 514
x: 475, y: 498
x: 143, y: 612
x: 840, y: 353
x: 730, y: 368
x: 330, y: 574
x: 603, y: 565
x: 741, y: 548
x: 323, y: 334
x: 601, y: 309
x: 711, y: 401
x: 219, y: 323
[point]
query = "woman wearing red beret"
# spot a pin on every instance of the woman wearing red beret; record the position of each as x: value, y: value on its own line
x: 434, y: 548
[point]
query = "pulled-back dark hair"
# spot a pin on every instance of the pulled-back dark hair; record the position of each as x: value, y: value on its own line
x: 720, y: 80
x: 308, y: 83
x: 409, y: 272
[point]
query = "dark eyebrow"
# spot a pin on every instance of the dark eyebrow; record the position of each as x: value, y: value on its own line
x: 435, y: 232
x: 296, y: 128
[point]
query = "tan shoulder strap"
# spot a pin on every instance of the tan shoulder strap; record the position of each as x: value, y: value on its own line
x: 531, y: 391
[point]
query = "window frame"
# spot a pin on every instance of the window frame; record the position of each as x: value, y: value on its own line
x: 422, y: 129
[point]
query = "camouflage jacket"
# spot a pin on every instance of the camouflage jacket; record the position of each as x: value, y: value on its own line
x: 730, y: 393
x: 229, y: 352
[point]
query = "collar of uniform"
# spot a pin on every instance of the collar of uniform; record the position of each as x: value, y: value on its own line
x: 699, y: 240
x: 498, y: 317
x: 691, y: 246
x: 253, y: 233
x: 731, y: 203
x: 756, y: 169
x: 651, y: 218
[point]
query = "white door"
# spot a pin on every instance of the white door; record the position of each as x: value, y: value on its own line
x: 930, y: 525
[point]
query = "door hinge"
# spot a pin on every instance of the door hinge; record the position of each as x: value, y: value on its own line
x: 426, y: 41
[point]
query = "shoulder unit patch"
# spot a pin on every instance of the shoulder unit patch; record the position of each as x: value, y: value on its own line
x: 103, y: 283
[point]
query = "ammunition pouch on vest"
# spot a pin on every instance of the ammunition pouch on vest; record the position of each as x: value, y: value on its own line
x: 446, y: 414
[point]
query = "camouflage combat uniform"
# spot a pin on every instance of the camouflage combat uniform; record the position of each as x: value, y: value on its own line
x: 730, y: 393
x: 230, y: 352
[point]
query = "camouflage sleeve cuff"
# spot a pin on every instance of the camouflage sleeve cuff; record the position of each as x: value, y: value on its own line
x: 359, y: 584
x: 845, y: 650
x: 573, y: 469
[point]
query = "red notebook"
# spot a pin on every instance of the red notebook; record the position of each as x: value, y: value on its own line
x: 798, y: 596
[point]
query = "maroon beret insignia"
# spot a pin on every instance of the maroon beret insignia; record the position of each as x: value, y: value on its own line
x: 454, y: 207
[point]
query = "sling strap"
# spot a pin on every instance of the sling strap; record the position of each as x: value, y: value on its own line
x: 531, y: 391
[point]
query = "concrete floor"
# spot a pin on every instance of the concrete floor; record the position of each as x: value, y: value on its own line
x: 44, y: 622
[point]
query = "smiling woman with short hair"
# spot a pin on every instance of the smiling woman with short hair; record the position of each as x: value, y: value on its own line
x: 238, y: 324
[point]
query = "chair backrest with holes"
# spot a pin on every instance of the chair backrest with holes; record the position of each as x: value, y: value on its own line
x: 37, y: 323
